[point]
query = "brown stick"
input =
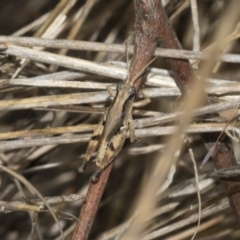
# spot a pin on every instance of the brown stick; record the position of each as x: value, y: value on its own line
x: 90, y: 207
x: 182, y: 69
x: 147, y: 26
x: 152, y: 25
x: 223, y: 156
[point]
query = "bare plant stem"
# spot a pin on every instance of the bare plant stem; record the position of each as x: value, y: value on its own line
x: 182, y: 69
x: 90, y: 207
x: 223, y: 156
x: 144, y: 48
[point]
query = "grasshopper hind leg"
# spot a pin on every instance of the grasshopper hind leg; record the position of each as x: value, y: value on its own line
x: 93, y: 144
x: 113, y: 148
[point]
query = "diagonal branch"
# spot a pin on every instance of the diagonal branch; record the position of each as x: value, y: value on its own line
x: 223, y: 155
x: 147, y: 25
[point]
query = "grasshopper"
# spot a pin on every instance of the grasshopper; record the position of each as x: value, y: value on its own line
x: 111, y: 132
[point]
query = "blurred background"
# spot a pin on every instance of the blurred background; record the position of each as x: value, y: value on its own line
x: 51, y: 167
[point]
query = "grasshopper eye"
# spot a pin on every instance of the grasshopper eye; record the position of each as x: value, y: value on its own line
x: 120, y: 86
x: 131, y: 90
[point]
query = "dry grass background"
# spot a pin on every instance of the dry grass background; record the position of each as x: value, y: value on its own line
x: 50, y: 103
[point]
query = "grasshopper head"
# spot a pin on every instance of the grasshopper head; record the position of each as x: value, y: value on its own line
x: 125, y: 90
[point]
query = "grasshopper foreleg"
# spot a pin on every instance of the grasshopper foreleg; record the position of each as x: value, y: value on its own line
x: 146, y: 100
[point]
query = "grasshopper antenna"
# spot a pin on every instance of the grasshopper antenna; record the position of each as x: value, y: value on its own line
x: 127, y: 59
x: 144, y: 68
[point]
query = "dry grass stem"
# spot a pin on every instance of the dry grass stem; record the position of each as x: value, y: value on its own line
x: 57, y: 59
x: 107, y: 47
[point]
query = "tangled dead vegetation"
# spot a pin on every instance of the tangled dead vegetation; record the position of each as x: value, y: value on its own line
x: 56, y: 60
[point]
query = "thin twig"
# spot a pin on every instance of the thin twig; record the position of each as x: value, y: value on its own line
x: 196, y: 30
x: 90, y: 207
x: 106, y: 47
x: 144, y: 48
x: 198, y: 191
x: 182, y: 69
